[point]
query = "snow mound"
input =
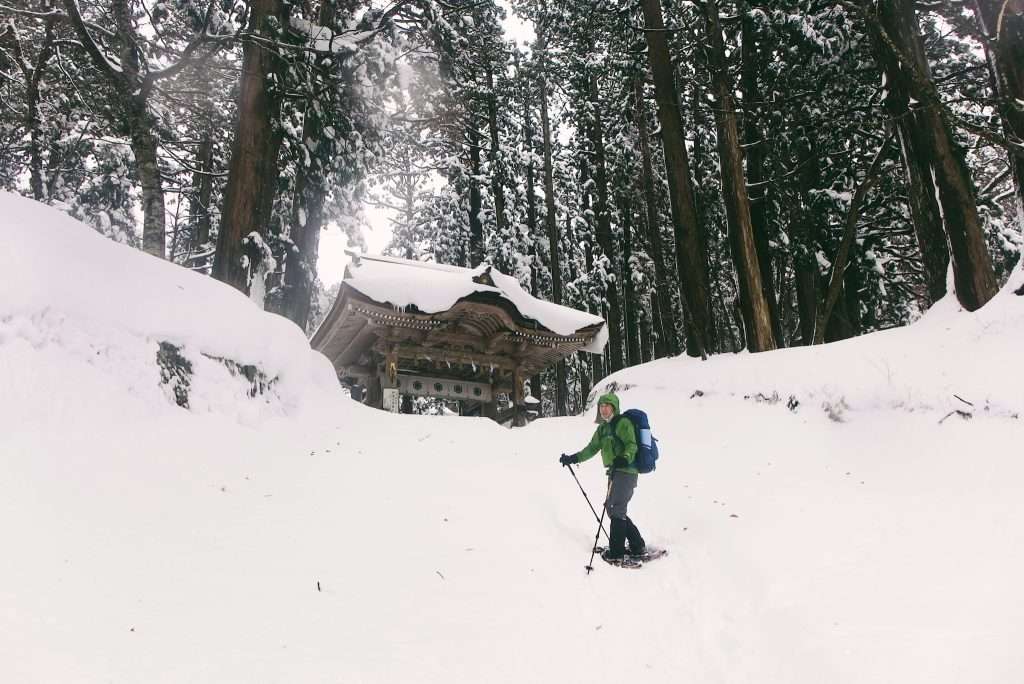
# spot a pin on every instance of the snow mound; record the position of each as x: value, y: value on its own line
x: 951, y: 360
x: 90, y: 327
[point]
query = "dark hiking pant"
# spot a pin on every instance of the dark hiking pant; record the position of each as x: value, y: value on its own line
x: 623, y: 485
x: 622, y: 528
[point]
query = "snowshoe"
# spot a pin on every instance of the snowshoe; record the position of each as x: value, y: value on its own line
x: 630, y: 561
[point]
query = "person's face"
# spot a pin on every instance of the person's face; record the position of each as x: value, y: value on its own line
x: 607, y: 411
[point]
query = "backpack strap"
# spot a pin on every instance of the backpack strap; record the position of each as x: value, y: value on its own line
x: 613, y: 424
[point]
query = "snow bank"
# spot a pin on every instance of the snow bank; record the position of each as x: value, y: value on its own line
x: 82, y: 320
x: 950, y: 360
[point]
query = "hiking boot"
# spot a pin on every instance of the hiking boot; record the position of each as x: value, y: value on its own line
x: 609, y: 556
x: 637, y: 546
x: 616, y: 540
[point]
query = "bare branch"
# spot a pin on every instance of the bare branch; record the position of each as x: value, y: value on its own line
x: 103, y: 61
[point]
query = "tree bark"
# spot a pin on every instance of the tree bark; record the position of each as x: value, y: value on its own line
x: 632, y: 329
x: 300, y: 260
x: 133, y: 90
x: 536, y: 386
x: 691, y: 260
x: 665, y: 342
x: 929, y: 142
x: 310, y: 194
x: 604, y: 232
x: 493, y: 156
x: 32, y: 118
x: 757, y: 178
x: 476, y: 226
x: 843, y: 255
x: 753, y: 303
x: 561, y: 389
x: 145, y: 148
x: 596, y: 361
x: 925, y: 213
x: 141, y: 133
x: 252, y: 171
x: 806, y: 230
x: 202, y: 189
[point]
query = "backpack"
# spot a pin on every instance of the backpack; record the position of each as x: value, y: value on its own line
x: 646, y: 443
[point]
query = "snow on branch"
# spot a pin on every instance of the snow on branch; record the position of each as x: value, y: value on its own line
x: 103, y: 61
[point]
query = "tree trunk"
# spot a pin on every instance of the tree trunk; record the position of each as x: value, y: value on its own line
x: 307, y: 217
x: 604, y: 233
x: 300, y: 260
x: 32, y: 118
x: 691, y: 261
x: 595, y: 361
x: 844, y: 255
x: 665, y: 343
x: 632, y: 330
x: 925, y: 213
x: 536, y: 387
x: 805, y: 261
x: 202, y: 189
x: 929, y: 142
x: 561, y: 389
x: 756, y: 315
x: 696, y: 103
x: 476, y: 226
x: 252, y: 171
x: 133, y: 91
x: 145, y: 148
x: 646, y: 326
x: 1002, y: 23
x: 497, y: 188
x: 757, y: 178
x: 141, y: 132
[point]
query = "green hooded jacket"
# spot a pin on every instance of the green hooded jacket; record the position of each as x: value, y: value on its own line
x: 621, y: 443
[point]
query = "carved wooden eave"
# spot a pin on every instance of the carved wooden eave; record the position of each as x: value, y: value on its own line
x: 482, y: 337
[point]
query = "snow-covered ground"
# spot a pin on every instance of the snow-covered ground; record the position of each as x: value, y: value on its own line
x: 298, y: 537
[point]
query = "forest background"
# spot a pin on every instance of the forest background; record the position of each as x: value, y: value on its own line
x: 708, y: 176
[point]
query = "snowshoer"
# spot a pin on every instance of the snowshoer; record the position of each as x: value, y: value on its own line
x: 616, y: 440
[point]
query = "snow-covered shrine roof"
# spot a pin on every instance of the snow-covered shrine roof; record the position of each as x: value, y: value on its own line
x: 432, y: 288
x: 444, y: 305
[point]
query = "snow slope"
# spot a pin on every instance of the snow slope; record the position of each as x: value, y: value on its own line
x: 302, y: 538
x: 83, y: 311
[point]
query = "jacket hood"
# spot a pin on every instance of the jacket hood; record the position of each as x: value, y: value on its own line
x: 609, y: 398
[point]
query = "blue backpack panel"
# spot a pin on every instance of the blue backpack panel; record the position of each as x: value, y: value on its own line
x: 646, y: 443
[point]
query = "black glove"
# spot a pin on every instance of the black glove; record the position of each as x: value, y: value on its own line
x: 620, y: 462
x: 567, y: 459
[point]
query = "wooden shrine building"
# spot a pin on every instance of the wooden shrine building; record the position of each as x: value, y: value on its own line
x: 401, y: 327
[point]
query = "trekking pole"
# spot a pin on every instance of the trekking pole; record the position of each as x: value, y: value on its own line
x: 599, y: 522
x: 597, y: 537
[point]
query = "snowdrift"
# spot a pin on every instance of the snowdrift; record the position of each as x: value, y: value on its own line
x: 951, y: 360
x: 86, y: 320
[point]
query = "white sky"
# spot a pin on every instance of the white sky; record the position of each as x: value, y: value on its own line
x: 332, y: 259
